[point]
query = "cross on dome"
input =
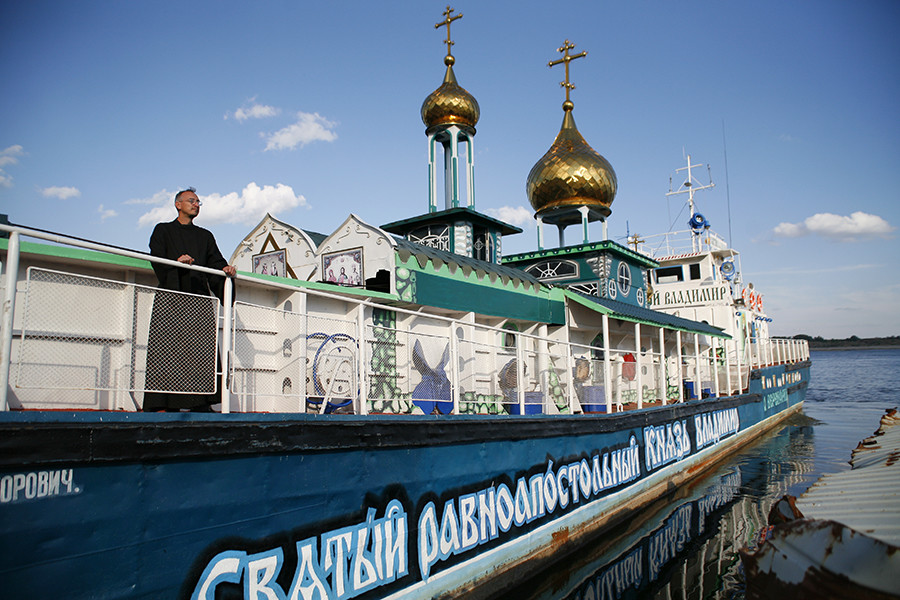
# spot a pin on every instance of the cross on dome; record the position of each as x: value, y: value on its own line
x: 447, y: 20
x: 566, y: 59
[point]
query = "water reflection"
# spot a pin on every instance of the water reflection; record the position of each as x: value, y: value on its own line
x: 686, y: 545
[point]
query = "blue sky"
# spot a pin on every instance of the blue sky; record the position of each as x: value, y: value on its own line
x: 310, y: 111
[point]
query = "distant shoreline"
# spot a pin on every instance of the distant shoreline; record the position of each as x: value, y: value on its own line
x: 854, y: 348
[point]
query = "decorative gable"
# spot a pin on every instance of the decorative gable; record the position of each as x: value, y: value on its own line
x: 278, y: 249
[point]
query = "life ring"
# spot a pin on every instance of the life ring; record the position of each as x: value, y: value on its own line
x: 752, y: 304
x: 759, y: 304
x: 744, y: 297
x: 629, y: 367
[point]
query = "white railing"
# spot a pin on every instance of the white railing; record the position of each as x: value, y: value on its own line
x: 85, y: 342
x: 675, y: 243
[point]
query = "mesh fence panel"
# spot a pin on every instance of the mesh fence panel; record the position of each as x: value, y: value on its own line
x: 332, y: 359
x: 269, y: 352
x: 86, y: 333
x: 487, y: 376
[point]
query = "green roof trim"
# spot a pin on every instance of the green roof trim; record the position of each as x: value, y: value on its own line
x: 644, y: 316
x: 450, y: 215
x: 570, y: 251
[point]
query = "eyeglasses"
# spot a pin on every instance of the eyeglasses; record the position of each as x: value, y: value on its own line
x: 191, y: 201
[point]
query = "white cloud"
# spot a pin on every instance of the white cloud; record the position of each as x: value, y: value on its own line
x: 9, y: 156
x: 309, y: 127
x: 515, y: 215
x: 838, y: 227
x: 62, y: 193
x: 252, y: 110
x: 106, y: 213
x: 247, y: 207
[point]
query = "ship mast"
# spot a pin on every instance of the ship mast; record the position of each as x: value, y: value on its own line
x: 690, y: 186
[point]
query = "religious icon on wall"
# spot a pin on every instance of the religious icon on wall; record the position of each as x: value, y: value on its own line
x: 271, y: 263
x: 343, y: 268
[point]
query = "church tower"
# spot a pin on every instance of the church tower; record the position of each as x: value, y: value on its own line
x: 450, y: 114
x: 572, y: 184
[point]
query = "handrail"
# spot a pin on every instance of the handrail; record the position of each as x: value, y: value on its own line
x: 697, y: 366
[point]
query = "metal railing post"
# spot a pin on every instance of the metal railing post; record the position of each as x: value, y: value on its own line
x: 607, y: 367
x: 679, y: 369
x: 640, y: 378
x: 227, y: 328
x: 6, y: 321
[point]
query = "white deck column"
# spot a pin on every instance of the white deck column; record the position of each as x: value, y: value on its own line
x: 678, y: 369
x: 663, y: 383
x: 6, y: 320
x: 639, y: 379
x: 727, y: 367
x: 715, y: 366
x: 454, y: 366
x: 698, y: 384
x: 362, y: 382
x: 607, y: 367
x: 227, y: 324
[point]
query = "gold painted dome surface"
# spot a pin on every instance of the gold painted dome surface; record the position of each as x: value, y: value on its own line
x: 570, y: 175
x: 450, y: 104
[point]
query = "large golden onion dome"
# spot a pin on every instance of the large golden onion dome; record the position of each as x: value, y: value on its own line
x: 571, y: 175
x: 450, y: 104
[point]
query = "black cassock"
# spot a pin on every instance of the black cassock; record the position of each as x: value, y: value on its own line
x: 181, y: 346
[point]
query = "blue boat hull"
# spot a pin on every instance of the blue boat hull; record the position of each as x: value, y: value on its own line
x: 125, y: 505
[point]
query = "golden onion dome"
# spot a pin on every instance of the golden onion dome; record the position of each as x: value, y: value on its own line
x: 571, y: 175
x: 450, y: 104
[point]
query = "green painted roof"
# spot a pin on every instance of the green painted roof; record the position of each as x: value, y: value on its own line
x: 449, y: 216
x: 589, y: 248
x: 638, y: 314
x: 473, y: 263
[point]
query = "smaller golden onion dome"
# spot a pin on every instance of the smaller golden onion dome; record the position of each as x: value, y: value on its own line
x: 450, y: 104
x: 571, y: 175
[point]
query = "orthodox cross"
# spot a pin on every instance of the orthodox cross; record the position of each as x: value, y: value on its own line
x: 447, y: 20
x: 566, y: 59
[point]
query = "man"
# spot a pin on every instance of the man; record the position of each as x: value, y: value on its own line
x: 181, y: 346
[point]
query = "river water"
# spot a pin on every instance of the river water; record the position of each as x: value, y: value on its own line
x: 685, y: 546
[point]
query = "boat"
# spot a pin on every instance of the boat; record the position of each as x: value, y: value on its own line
x: 405, y: 412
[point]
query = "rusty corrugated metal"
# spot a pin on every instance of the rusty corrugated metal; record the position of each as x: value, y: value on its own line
x: 841, y: 538
x: 867, y: 497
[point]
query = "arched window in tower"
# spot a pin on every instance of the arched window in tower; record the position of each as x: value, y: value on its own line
x: 483, y: 245
x: 433, y: 236
x: 554, y: 269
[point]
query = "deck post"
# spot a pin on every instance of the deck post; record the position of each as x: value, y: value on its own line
x: 361, y: 359
x: 454, y: 367
x: 639, y: 380
x: 698, y: 384
x: 520, y: 372
x: 571, y: 397
x: 303, y: 343
x: 6, y: 322
x: 678, y: 369
x: 727, y: 367
x: 715, y: 365
x: 227, y: 327
x: 607, y: 368
x: 663, y: 382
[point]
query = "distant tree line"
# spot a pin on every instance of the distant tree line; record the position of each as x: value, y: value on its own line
x: 850, y: 342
